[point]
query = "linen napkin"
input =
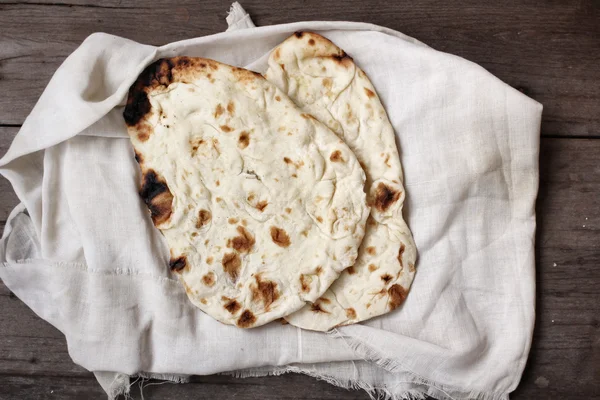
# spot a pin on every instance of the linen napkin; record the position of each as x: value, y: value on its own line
x: 81, y: 251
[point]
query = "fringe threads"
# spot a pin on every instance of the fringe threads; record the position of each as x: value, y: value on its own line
x: 122, y: 386
x: 374, y: 393
x: 429, y: 388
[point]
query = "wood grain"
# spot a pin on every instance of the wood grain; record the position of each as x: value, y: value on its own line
x: 51, y: 388
x: 548, y: 49
x: 8, y: 201
x: 565, y: 357
x: 8, y: 198
x: 285, y: 387
x: 567, y: 333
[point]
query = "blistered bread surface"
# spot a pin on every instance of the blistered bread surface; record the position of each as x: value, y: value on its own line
x: 325, y: 82
x: 262, y: 206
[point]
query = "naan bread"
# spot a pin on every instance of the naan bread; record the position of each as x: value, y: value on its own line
x: 325, y: 82
x: 261, y: 205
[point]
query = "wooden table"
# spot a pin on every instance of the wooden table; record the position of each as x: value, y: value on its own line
x: 548, y: 49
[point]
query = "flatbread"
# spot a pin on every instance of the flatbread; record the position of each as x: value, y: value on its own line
x: 324, y: 81
x: 261, y: 205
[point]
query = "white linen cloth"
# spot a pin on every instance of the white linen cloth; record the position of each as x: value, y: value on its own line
x: 81, y: 250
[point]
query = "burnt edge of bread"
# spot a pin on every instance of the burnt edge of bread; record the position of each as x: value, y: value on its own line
x: 312, y: 38
x: 159, y: 73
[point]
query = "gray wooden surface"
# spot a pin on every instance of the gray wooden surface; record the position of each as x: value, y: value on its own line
x: 548, y: 49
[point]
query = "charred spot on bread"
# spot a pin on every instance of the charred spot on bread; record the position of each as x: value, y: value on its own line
x: 204, y: 217
x: 305, y: 282
x: 178, y: 264
x: 261, y: 205
x: 280, y: 237
x: 156, y: 195
x: 156, y: 74
x: 316, y: 308
x: 342, y: 57
x: 231, y: 265
x: 385, y: 196
x: 143, y: 132
x: 209, y: 279
x: 246, y: 320
x: 138, y: 105
x: 400, y: 253
x: 265, y: 291
x: 231, y: 305
x: 243, y: 140
x: 230, y: 107
x: 397, y: 295
x: 218, y: 111
x: 159, y: 73
x: 336, y: 156
x: 139, y: 158
x: 242, y: 243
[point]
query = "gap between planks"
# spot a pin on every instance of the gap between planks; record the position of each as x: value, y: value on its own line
x: 547, y: 50
x: 542, y: 135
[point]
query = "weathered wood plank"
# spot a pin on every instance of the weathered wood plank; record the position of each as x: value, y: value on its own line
x: 51, y: 388
x: 8, y: 198
x: 8, y: 201
x: 564, y: 361
x: 286, y: 387
x: 565, y: 358
x: 548, y: 49
x: 29, y: 56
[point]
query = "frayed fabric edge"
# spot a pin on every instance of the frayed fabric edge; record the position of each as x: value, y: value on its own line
x: 121, y: 385
x: 430, y: 388
x: 238, y: 18
x: 374, y: 393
